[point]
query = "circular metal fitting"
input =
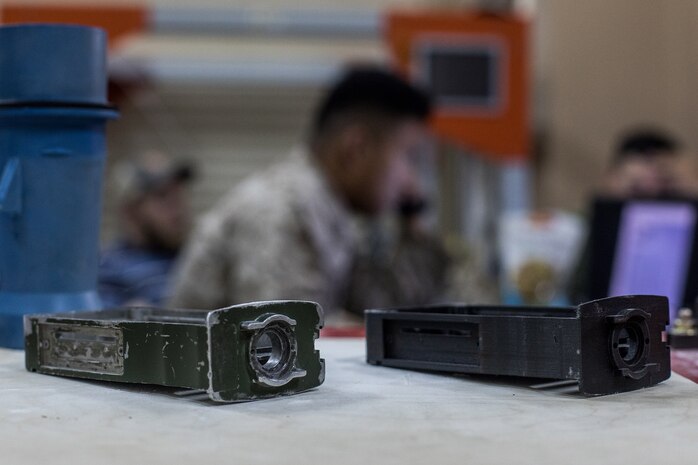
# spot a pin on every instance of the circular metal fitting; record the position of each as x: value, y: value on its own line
x: 273, y: 350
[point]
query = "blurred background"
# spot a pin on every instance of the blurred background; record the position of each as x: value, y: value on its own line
x: 231, y: 85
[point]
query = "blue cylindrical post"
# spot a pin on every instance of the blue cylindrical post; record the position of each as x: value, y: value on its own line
x: 53, y: 112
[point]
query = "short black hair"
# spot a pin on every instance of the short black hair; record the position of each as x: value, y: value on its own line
x: 645, y: 143
x: 375, y: 90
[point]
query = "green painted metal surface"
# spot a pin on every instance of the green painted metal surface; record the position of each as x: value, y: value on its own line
x: 239, y: 353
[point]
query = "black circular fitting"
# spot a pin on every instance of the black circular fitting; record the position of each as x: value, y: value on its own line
x: 630, y: 342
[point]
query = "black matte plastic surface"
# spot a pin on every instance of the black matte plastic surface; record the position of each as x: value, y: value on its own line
x: 550, y: 343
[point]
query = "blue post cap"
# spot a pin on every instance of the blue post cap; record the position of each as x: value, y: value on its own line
x: 53, y: 64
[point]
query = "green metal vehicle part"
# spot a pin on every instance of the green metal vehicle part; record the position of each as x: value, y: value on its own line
x: 239, y: 353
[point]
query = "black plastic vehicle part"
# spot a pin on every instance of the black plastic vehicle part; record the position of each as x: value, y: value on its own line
x: 608, y: 346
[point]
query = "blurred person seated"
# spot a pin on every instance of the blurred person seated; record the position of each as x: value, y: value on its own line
x: 154, y: 220
x: 291, y: 231
x: 649, y: 163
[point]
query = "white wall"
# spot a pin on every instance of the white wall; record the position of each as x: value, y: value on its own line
x: 608, y: 65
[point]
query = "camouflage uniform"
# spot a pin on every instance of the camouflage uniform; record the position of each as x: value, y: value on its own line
x: 284, y: 234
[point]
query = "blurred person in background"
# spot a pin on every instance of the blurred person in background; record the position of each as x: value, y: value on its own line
x: 291, y: 232
x: 649, y: 163
x: 154, y: 221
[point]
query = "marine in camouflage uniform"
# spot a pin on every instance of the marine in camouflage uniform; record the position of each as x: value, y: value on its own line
x: 291, y: 232
x: 284, y: 234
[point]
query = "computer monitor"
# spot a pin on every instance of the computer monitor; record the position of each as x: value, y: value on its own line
x: 466, y: 76
x: 645, y: 247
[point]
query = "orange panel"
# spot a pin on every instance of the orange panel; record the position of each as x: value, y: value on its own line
x: 502, y: 135
x: 118, y: 21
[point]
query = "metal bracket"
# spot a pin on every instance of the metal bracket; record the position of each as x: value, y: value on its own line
x: 238, y: 353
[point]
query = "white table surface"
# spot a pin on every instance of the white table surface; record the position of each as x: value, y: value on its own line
x: 361, y: 415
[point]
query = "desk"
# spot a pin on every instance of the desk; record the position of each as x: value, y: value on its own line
x: 361, y: 415
x: 685, y: 363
